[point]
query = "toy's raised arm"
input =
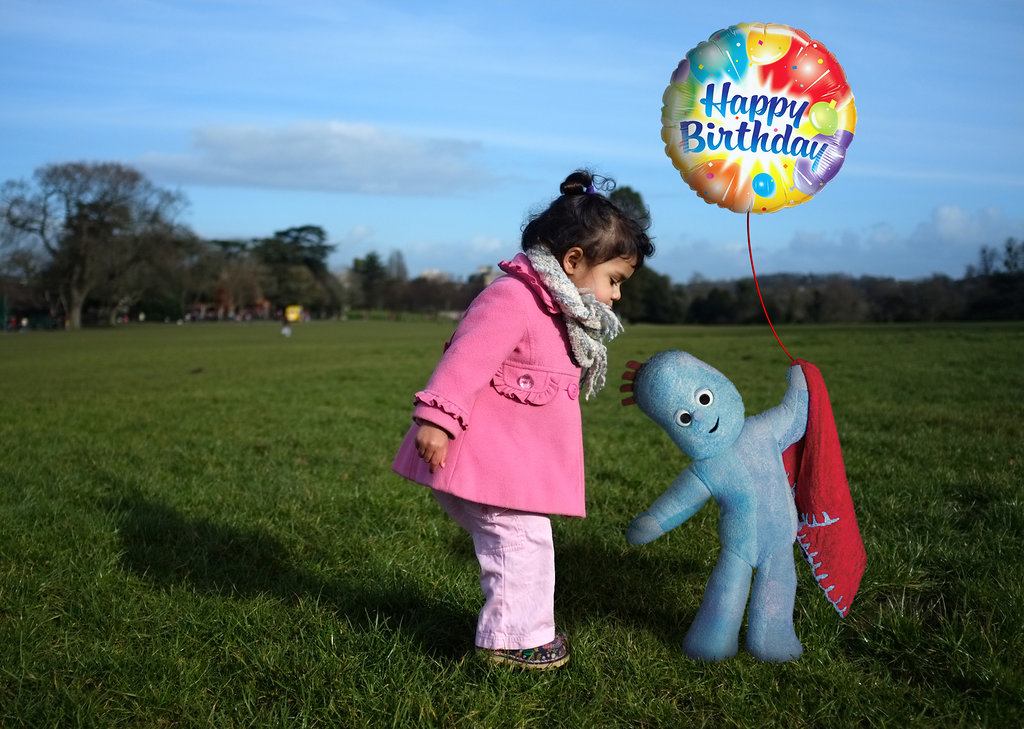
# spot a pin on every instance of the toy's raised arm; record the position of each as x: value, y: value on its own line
x: 788, y: 420
x: 680, y: 501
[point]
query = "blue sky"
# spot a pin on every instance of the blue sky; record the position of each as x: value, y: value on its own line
x: 433, y: 128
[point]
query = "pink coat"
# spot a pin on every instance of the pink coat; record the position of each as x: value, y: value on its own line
x: 507, y: 391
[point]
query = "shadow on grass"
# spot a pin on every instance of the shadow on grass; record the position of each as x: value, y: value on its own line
x: 649, y: 590
x: 642, y: 589
x: 169, y: 549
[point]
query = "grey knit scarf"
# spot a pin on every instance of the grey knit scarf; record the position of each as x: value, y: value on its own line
x: 590, y: 323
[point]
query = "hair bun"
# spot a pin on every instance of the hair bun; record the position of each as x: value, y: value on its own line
x: 578, y: 183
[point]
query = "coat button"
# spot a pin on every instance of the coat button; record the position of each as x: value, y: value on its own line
x: 526, y: 382
x: 574, y: 390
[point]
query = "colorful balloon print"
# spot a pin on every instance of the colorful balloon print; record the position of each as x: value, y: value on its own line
x: 764, y: 184
x: 758, y: 118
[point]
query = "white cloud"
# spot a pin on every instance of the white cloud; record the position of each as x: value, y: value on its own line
x: 487, y: 244
x: 932, y: 171
x: 357, y: 235
x: 945, y: 243
x: 323, y: 156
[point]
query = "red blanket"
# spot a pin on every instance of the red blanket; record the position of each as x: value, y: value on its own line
x: 828, y: 534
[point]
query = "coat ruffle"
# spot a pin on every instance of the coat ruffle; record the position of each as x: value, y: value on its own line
x: 526, y: 384
x: 446, y: 406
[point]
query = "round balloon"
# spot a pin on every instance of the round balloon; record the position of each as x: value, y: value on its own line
x: 758, y: 117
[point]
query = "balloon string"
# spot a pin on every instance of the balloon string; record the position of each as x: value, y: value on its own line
x: 750, y: 249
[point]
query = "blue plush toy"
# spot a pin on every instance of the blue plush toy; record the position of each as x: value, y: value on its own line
x: 737, y: 461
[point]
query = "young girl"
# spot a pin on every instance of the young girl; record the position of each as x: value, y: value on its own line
x: 498, y: 433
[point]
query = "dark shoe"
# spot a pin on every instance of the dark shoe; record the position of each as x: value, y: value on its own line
x: 549, y: 655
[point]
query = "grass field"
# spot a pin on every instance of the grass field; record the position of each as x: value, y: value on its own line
x: 199, y: 527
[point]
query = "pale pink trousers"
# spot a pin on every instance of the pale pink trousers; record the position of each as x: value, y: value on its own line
x: 517, y: 572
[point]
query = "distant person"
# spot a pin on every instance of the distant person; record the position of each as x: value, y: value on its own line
x: 498, y: 431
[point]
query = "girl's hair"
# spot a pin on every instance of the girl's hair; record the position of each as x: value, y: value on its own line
x: 582, y: 216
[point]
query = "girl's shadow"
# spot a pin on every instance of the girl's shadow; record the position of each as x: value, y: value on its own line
x: 168, y: 549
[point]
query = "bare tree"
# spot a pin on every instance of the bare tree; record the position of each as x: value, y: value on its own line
x: 397, y: 270
x: 1013, y: 256
x: 95, y: 222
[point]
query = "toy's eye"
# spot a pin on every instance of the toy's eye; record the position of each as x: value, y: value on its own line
x: 684, y: 418
x: 704, y: 397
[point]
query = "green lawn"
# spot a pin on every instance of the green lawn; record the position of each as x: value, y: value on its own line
x: 200, y: 528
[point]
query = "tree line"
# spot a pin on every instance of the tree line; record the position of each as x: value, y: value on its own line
x: 991, y: 290
x: 95, y: 243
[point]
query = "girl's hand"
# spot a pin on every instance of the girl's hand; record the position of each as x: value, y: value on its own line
x: 432, y: 445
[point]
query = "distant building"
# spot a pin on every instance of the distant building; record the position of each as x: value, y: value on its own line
x: 433, y: 274
x: 486, y: 275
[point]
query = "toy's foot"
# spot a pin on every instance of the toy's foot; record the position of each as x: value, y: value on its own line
x: 778, y: 649
x: 702, y: 646
x: 713, y: 634
x: 770, y: 634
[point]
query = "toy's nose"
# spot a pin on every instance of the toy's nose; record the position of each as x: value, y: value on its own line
x: 698, y: 415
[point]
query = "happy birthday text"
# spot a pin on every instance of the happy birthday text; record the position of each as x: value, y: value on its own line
x: 752, y: 134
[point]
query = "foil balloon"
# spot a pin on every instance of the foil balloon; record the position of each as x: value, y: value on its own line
x: 758, y: 118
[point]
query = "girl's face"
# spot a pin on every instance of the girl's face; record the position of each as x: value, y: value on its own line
x: 603, y: 280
